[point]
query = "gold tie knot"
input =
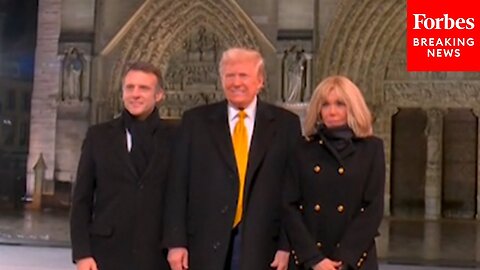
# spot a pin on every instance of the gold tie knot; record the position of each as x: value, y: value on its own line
x: 241, y: 115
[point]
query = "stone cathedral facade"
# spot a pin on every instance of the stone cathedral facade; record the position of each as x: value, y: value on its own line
x: 428, y: 120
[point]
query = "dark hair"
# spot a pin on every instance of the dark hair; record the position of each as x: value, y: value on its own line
x: 147, y: 68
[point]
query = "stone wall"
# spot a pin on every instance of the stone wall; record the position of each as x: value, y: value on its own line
x: 362, y: 39
x: 45, y: 91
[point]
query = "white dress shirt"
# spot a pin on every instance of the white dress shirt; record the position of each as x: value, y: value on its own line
x: 249, y: 121
x: 129, y: 140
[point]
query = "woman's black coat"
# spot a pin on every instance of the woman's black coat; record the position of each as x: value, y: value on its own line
x: 334, y: 202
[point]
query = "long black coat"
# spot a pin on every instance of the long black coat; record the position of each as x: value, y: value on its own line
x: 335, y: 202
x: 116, y: 214
x: 203, y: 190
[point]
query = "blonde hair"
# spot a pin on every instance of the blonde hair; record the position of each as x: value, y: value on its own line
x: 359, y: 118
x: 236, y: 54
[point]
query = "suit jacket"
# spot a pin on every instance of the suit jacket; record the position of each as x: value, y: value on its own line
x: 334, y: 202
x: 203, y: 189
x: 116, y: 214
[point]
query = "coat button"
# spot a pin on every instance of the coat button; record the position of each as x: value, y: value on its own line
x: 317, y: 208
x: 362, y: 209
x: 320, y: 142
x: 216, y: 245
x: 364, y: 254
x: 360, y: 262
x: 316, y: 169
x: 341, y: 170
x: 319, y: 245
x: 340, y: 208
x: 300, y: 207
x: 293, y: 252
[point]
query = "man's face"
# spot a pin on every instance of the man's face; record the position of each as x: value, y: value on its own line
x: 140, y: 94
x: 241, y: 81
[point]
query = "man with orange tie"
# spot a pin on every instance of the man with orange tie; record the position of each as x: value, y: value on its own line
x: 223, y: 208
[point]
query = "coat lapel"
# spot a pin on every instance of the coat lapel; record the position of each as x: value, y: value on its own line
x: 119, y: 139
x: 161, y: 150
x: 220, y: 132
x: 263, y: 134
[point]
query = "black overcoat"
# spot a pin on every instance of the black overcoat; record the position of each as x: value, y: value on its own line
x: 203, y: 189
x: 117, y: 214
x: 334, y: 202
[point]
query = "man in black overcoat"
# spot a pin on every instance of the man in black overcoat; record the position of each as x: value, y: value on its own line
x: 221, y: 214
x: 117, y: 209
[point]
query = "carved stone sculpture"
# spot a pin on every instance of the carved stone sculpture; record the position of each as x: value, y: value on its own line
x: 73, y: 66
x: 294, y: 72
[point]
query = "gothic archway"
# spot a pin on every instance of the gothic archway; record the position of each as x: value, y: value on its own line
x: 366, y: 41
x: 165, y: 35
x: 360, y: 41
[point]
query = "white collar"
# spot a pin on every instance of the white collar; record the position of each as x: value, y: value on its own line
x: 250, y: 110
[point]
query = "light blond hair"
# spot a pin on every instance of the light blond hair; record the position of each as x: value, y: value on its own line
x: 237, y: 54
x: 359, y: 118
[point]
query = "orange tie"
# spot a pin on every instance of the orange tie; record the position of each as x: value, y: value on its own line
x: 240, y: 146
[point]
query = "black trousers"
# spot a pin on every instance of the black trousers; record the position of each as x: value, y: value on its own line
x: 233, y: 256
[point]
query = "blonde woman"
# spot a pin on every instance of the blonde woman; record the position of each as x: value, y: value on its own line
x: 334, y: 195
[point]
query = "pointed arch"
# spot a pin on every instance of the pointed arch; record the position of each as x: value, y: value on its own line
x: 161, y: 29
x: 360, y: 42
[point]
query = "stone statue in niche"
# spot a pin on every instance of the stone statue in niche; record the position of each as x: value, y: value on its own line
x: 294, y: 75
x: 73, y: 68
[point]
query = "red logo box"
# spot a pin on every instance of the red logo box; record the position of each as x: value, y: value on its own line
x: 443, y: 35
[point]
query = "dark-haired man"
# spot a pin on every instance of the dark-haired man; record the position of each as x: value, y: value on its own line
x: 116, y: 219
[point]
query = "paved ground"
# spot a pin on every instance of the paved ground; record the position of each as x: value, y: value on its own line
x: 34, y: 258
x: 48, y: 258
x: 47, y: 227
x: 32, y: 240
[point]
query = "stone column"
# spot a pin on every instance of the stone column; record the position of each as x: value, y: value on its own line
x: 45, y: 92
x: 476, y: 112
x: 433, y: 173
x: 308, y: 86
x: 72, y: 110
x: 431, y: 240
x: 383, y: 242
x: 383, y: 128
x: 281, y: 78
x: 477, y: 242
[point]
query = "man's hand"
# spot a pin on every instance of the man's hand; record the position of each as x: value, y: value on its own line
x: 178, y: 258
x: 280, y: 262
x: 327, y: 264
x: 86, y: 264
